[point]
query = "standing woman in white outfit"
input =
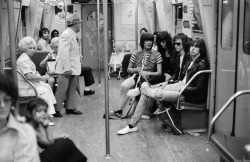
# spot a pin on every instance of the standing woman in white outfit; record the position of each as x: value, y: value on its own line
x: 26, y: 66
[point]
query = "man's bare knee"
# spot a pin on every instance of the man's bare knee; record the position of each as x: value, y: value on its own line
x: 158, y: 95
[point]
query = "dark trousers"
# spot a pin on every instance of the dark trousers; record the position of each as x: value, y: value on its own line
x: 125, y: 63
x: 63, y: 150
x: 88, y: 76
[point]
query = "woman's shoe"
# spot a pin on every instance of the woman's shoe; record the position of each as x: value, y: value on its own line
x: 51, y: 124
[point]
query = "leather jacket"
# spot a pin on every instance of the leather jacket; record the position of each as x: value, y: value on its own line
x: 179, y: 73
x: 196, y: 92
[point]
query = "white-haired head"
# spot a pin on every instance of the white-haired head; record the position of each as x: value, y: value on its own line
x: 54, y: 41
x: 25, y: 43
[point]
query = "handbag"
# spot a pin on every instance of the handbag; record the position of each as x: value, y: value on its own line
x: 51, y: 67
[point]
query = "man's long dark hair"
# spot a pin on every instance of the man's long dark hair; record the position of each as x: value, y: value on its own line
x: 144, y: 37
x: 199, y: 42
x: 164, y: 36
x: 41, y: 31
x: 185, y: 41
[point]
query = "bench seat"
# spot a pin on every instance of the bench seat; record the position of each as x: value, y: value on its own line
x: 192, y: 117
x: 230, y: 148
x: 192, y: 106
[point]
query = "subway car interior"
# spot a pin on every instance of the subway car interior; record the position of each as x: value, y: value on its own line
x: 153, y: 80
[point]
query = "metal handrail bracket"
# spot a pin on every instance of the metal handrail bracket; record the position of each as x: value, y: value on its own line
x: 30, y: 83
x: 186, y: 85
x: 224, y: 107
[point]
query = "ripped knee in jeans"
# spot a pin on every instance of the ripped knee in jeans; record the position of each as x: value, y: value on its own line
x: 158, y: 94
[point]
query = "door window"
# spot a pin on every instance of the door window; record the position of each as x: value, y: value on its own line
x: 227, y: 22
x: 92, y: 20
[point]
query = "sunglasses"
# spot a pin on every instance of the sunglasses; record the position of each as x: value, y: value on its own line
x: 30, y: 48
x: 178, y: 44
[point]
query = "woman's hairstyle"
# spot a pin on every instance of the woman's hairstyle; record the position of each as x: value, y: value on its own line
x: 164, y: 36
x: 185, y: 41
x: 54, y: 33
x: 199, y: 43
x: 144, y: 37
x: 8, y: 86
x: 43, y: 30
x: 144, y: 30
x: 33, y: 104
x: 54, y: 40
x: 25, y: 43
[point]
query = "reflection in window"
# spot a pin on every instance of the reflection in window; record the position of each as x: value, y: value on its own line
x: 227, y: 24
x: 246, y: 34
x: 92, y: 20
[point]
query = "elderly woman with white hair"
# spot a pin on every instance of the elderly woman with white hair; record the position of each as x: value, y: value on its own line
x: 51, y: 56
x: 26, y: 66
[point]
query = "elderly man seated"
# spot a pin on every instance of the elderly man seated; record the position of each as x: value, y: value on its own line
x: 195, y: 92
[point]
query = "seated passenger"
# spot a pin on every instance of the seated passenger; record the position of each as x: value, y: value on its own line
x: 126, y: 58
x: 26, y: 66
x: 54, y: 33
x: 54, y: 149
x: 51, y: 56
x: 147, y: 62
x: 43, y: 42
x: 165, y: 48
x: 17, y: 140
x: 179, y: 57
x: 195, y: 92
x: 88, y: 80
x: 156, y: 33
x: 178, y: 61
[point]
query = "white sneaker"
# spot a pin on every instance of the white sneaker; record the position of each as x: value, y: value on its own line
x: 51, y: 123
x: 127, y: 130
x: 146, y: 117
x: 133, y: 93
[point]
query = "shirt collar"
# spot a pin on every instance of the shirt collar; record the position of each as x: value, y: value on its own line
x: 14, y: 124
x: 72, y: 32
x: 43, y: 40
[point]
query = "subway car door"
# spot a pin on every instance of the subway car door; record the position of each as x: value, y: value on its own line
x: 90, y: 35
x: 226, y: 64
x: 242, y: 107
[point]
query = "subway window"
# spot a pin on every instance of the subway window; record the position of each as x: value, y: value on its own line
x: 178, y: 18
x: 227, y: 24
x: 23, y: 21
x: 246, y: 34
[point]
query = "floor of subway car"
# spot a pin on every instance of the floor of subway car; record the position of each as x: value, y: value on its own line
x: 149, y: 144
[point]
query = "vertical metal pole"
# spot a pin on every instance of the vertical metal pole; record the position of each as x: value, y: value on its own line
x: 10, y: 4
x: 136, y: 24
x: 105, y: 27
x: 98, y: 44
x: 155, y: 16
x: 65, y: 11
x: 1, y: 42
